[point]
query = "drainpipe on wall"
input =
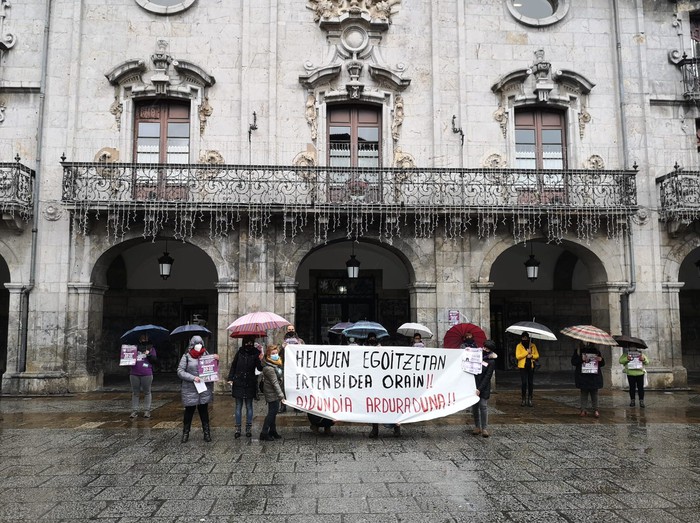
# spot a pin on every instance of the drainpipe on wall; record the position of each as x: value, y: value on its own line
x: 24, y: 298
x: 628, y: 237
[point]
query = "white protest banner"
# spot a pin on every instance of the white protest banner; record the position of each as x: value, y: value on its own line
x: 377, y: 384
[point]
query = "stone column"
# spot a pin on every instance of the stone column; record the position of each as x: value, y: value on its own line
x: 668, y: 371
x: 285, y: 299
x: 227, y: 312
x: 10, y: 382
x: 423, y: 306
x: 605, y: 314
x: 84, y: 350
x: 483, y: 306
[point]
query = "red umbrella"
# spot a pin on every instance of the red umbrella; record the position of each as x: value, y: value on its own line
x: 453, y: 337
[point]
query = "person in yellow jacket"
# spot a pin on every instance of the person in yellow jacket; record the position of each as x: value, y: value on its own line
x: 635, y: 361
x: 526, y: 355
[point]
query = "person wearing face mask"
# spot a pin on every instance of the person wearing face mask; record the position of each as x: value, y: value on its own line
x: 192, y: 399
x: 273, y: 390
x: 526, y: 355
x: 244, y: 383
x: 418, y: 341
x: 141, y: 377
x: 467, y: 341
x: 483, y: 390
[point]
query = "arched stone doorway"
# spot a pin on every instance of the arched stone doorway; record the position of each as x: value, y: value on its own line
x: 325, y: 294
x: 4, y: 313
x: 689, y: 302
x: 571, y: 289
x: 135, y: 294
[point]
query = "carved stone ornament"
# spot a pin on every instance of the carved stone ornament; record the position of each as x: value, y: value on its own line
x: 641, y: 217
x: 398, y: 118
x: 501, y: 116
x: 107, y: 155
x: 168, y: 77
x: 354, y: 30
x: 377, y: 11
x: 117, y: 108
x: 205, y: 111
x: 311, y: 116
x: 53, y: 210
x: 494, y: 161
x: 594, y: 162
x: 541, y: 83
x: 210, y: 157
x: 306, y: 159
x: 403, y: 160
x: 7, y: 39
x: 584, y: 118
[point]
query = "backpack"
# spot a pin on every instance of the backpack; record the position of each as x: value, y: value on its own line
x: 261, y: 383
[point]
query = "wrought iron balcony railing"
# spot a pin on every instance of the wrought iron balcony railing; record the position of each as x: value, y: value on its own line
x: 690, y: 68
x: 261, y: 191
x: 16, y: 189
x: 679, y: 195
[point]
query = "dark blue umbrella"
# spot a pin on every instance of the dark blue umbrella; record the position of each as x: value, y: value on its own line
x: 187, y: 331
x: 362, y: 329
x: 155, y: 334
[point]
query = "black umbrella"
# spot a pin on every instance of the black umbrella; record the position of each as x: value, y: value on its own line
x: 629, y: 341
x: 187, y: 331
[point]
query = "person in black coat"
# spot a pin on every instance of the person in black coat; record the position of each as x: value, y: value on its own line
x: 483, y: 390
x: 588, y: 376
x: 244, y: 382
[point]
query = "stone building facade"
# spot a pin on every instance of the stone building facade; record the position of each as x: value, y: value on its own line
x: 261, y: 144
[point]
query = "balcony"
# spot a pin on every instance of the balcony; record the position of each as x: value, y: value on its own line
x: 679, y: 198
x: 16, y: 191
x: 690, y: 69
x: 382, y: 197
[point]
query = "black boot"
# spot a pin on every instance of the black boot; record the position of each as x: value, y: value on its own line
x: 275, y: 434
x: 185, y: 434
x: 248, y: 432
x: 374, y: 433
x: 207, y: 433
x: 522, y: 402
x: 529, y: 401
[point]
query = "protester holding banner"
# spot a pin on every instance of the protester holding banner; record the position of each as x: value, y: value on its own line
x: 317, y: 423
x: 483, y: 390
x: 292, y: 337
x: 244, y: 383
x: 588, y: 376
x: 273, y: 391
x: 635, y: 361
x: 141, y: 377
x: 418, y: 340
x: 196, y: 394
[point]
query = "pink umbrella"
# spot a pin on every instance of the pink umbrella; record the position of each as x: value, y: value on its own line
x: 256, y: 324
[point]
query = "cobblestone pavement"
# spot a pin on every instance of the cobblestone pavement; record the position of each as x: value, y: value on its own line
x: 81, y: 458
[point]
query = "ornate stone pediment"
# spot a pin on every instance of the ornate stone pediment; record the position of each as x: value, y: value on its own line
x: 541, y: 83
x: 168, y: 76
x: 354, y: 30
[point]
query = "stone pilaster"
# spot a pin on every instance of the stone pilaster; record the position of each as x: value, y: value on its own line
x: 423, y: 304
x: 668, y: 371
x: 605, y: 314
x: 482, y: 290
x: 10, y: 382
x: 227, y: 312
x: 85, y: 312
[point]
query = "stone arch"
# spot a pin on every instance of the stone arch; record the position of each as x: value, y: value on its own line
x: 595, y: 258
x: 16, y: 267
x: 676, y: 255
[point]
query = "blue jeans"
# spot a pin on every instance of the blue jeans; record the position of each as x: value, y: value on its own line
x: 248, y: 411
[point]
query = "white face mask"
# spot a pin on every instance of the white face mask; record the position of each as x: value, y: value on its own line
x: 198, y: 346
